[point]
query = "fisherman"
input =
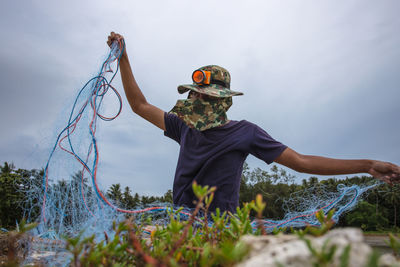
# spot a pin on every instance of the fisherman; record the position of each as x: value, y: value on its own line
x: 214, y: 148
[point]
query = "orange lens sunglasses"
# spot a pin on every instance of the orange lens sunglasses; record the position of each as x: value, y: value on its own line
x: 201, y: 77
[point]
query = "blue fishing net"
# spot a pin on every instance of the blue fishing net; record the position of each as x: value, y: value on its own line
x: 69, y: 201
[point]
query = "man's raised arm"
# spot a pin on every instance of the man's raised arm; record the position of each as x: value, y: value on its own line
x: 385, y: 171
x: 134, y: 95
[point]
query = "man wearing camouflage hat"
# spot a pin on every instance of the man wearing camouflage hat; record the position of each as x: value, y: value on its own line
x: 213, y: 148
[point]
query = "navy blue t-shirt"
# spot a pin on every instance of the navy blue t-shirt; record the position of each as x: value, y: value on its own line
x: 215, y: 157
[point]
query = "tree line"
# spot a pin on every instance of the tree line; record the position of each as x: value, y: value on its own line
x: 378, y: 211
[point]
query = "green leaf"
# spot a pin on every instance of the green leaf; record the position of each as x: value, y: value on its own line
x: 345, y: 257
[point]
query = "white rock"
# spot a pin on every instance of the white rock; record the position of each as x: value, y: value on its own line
x: 289, y: 250
x: 388, y: 260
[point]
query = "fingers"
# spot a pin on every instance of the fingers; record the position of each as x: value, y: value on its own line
x: 389, y: 178
x: 386, y: 172
x: 385, y: 179
x: 388, y: 181
x: 114, y: 37
x: 395, y: 178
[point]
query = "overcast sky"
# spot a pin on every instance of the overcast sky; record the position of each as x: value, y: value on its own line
x: 320, y: 76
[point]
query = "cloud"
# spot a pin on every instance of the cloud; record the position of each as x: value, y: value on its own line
x: 318, y: 76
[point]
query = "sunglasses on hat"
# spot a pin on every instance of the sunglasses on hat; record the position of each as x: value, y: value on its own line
x: 201, y: 77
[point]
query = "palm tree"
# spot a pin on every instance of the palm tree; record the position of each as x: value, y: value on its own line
x: 127, y: 198
x: 115, y: 193
x: 393, y: 195
x: 7, y: 168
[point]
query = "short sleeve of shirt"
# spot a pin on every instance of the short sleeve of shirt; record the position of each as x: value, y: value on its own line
x: 173, y: 127
x: 264, y: 147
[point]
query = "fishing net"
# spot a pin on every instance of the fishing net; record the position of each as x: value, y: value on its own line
x: 70, y: 200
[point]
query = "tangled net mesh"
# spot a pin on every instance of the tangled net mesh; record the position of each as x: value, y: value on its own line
x: 69, y: 201
x: 301, y: 207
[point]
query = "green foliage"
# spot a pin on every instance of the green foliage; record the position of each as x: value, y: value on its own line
x: 366, y: 217
x: 12, y: 185
x: 394, y: 243
x: 392, y: 194
x: 258, y: 206
x: 190, y: 242
x: 9, y: 196
x: 373, y: 259
x: 321, y: 257
x: 345, y: 257
x: 377, y: 213
x: 126, y: 200
x: 326, y: 223
x: 325, y: 255
x: 114, y: 192
x: 186, y: 243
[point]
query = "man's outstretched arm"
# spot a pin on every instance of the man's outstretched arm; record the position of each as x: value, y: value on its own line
x: 134, y: 95
x: 385, y: 171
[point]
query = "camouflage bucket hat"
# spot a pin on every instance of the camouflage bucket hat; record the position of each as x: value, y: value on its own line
x: 219, y: 83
